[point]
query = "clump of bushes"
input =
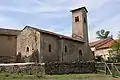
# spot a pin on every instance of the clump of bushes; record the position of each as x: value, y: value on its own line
x: 35, y: 56
x: 7, y: 75
x: 19, y: 58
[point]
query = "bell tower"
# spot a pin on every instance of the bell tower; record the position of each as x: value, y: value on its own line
x: 79, y: 24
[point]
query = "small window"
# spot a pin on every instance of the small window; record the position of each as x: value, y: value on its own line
x: 93, y: 53
x: 84, y: 20
x: 65, y: 48
x: 80, y: 55
x: 49, y: 47
x: 77, y: 19
x: 80, y: 52
x: 27, y: 49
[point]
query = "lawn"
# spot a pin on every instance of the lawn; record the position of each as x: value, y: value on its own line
x: 8, y: 76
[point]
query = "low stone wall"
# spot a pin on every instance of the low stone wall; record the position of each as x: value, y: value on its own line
x: 49, y: 68
x: 28, y: 68
x: 67, y: 68
x: 7, y: 59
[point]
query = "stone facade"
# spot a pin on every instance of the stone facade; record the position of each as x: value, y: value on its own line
x: 58, y: 45
x: 70, y: 68
x: 58, y: 49
x: 79, y: 27
x: 54, y: 47
x: 45, y: 41
x: 28, y: 41
x: 25, y: 68
x: 48, y: 68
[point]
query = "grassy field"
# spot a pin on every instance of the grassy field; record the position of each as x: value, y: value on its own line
x: 8, y: 76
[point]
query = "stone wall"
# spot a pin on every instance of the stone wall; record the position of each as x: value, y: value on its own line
x: 28, y: 68
x: 72, y: 54
x: 61, y: 49
x: 45, y: 41
x: 80, y: 28
x: 58, y: 53
x: 28, y: 41
x: 49, y: 68
x: 68, y: 68
x: 7, y: 59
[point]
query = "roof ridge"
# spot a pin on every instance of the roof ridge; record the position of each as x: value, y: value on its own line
x: 9, y: 29
x: 107, y: 45
x: 104, y: 42
x: 55, y: 34
x: 97, y: 42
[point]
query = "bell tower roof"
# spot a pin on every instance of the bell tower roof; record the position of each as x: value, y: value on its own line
x: 79, y: 9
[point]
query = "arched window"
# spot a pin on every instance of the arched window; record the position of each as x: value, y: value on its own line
x: 80, y: 55
x: 27, y: 49
x: 49, y: 47
x: 77, y: 19
x: 93, y: 53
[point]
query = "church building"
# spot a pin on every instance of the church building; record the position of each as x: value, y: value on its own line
x: 56, y: 47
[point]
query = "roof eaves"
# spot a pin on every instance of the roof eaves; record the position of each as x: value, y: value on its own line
x: 79, y: 9
x: 55, y: 34
x: 9, y: 31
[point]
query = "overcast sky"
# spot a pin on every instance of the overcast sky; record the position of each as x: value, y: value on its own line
x: 54, y: 15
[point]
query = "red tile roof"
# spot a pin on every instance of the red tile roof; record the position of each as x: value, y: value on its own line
x: 96, y: 43
x: 106, y: 45
x: 102, y: 44
x: 93, y: 44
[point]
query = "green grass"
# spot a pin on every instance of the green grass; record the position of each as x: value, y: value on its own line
x: 9, y: 76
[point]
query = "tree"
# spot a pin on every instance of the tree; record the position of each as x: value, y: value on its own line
x: 118, y: 35
x: 102, y: 34
x: 116, y: 49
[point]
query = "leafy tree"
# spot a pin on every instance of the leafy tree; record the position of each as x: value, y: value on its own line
x: 116, y: 48
x: 118, y: 35
x: 102, y: 34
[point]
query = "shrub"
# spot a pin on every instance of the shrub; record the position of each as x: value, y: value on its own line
x: 6, y: 75
x: 35, y: 56
x: 18, y: 57
x: 2, y: 69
